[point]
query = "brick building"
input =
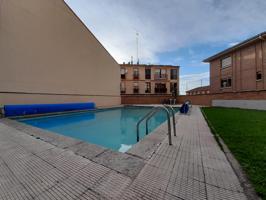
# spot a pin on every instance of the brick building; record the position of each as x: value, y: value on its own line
x: 239, y: 68
x: 149, y: 79
x: 199, y: 90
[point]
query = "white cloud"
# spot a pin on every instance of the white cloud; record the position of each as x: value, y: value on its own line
x: 188, y: 82
x: 232, y: 44
x: 168, y: 25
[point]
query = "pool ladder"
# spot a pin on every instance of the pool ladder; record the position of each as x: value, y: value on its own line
x: 167, y: 109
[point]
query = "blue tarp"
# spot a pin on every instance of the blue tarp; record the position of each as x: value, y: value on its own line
x: 31, y: 109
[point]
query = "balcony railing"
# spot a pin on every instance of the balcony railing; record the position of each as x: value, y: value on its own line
x: 123, y: 91
x: 160, y: 90
x: 160, y: 76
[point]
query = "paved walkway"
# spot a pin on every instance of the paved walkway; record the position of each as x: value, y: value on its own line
x: 194, y: 167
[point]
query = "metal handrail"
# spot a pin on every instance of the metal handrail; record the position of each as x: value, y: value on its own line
x: 139, y: 122
x: 173, y: 115
x: 150, y: 114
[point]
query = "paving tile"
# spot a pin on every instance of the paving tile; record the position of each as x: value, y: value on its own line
x: 10, y: 186
x: 112, y: 185
x: 65, y: 161
x: 90, y: 195
x: 91, y: 174
x: 217, y: 164
x: 124, y: 163
x: 226, y: 180
x: 188, y: 189
x: 152, y: 179
x: 215, y: 193
x: 144, y: 194
x: 167, y: 150
x: 67, y: 189
x: 35, y: 174
x: 189, y: 157
x: 189, y: 171
x: 162, y: 162
x: 15, y: 153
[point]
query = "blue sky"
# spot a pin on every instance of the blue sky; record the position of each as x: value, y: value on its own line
x: 176, y: 32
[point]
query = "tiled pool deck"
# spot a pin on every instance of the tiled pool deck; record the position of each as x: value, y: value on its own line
x: 194, y: 167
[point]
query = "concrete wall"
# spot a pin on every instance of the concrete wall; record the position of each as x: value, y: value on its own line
x: 248, y: 104
x: 245, y: 63
x: 47, y: 55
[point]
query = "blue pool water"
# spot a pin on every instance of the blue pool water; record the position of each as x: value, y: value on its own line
x: 110, y: 128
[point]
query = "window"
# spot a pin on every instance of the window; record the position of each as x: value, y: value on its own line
x: 160, y: 88
x: 123, y: 73
x: 173, y: 74
x: 135, y: 73
x: 135, y: 88
x: 148, y: 87
x: 173, y: 88
x: 227, y: 82
x: 258, y: 76
x: 226, y: 62
x: 122, y: 88
x: 147, y: 73
x: 160, y: 74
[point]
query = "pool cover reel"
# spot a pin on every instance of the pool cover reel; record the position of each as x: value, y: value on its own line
x: 31, y: 109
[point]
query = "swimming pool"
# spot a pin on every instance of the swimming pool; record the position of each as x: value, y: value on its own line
x: 111, y: 128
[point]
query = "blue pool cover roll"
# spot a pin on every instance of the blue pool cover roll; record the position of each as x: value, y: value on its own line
x: 31, y: 109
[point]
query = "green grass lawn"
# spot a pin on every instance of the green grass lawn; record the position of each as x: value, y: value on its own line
x: 244, y: 132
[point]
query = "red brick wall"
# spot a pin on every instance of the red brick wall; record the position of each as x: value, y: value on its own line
x: 143, y: 99
x: 205, y: 99
x: 245, y: 63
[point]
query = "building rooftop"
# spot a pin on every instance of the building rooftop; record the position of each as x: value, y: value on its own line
x: 147, y: 65
x: 199, y: 88
x: 261, y: 36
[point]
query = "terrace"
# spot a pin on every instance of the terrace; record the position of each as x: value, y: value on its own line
x: 38, y: 164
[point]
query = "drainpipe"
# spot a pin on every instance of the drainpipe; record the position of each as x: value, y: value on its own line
x: 263, y: 75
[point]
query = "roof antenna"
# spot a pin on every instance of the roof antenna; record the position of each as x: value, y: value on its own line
x: 137, y: 45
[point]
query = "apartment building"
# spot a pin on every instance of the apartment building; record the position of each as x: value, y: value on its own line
x: 47, y: 55
x: 143, y: 79
x: 239, y: 68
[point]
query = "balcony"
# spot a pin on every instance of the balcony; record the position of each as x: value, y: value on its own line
x: 160, y: 76
x: 123, y: 91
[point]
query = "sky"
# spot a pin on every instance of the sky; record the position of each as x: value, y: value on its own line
x: 174, y: 32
